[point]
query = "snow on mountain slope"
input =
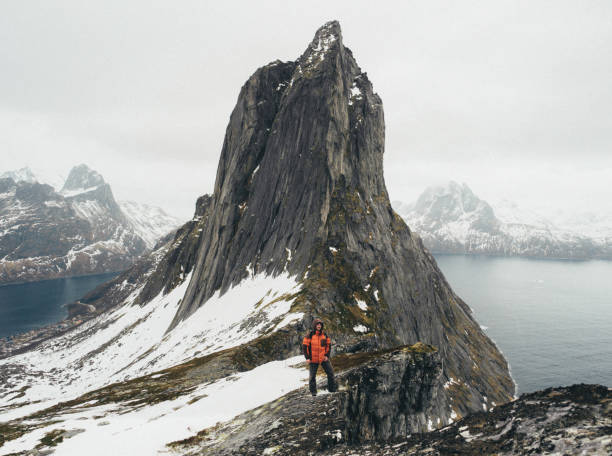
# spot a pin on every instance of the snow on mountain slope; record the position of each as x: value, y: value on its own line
x: 82, y: 179
x: 150, y: 222
x: 36, y: 174
x: 131, y: 341
x: 594, y: 225
x: 79, y: 230
x: 20, y: 175
x: 120, y: 430
x: 45, y: 235
x: 451, y: 219
x: 510, y: 213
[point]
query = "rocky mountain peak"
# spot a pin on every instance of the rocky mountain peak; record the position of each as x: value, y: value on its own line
x: 297, y: 138
x: 326, y: 42
x: 82, y: 178
x: 24, y: 174
x: 300, y: 192
x: 451, y: 202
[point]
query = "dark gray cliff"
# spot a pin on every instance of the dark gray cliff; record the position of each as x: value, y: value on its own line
x: 300, y: 189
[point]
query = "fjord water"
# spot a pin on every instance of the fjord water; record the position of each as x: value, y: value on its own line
x: 551, y: 319
x: 31, y: 305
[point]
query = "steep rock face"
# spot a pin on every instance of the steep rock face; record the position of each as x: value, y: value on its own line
x: 382, y: 396
x: 392, y: 396
x: 300, y: 189
x: 573, y: 420
x: 80, y: 230
x: 452, y: 219
x: 287, y: 144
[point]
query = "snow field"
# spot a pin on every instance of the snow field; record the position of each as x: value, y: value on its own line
x: 147, y: 430
x: 131, y: 341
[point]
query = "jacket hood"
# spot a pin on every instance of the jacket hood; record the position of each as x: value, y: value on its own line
x: 315, y: 322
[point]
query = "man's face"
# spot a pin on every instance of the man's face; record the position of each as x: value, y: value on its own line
x: 319, y: 326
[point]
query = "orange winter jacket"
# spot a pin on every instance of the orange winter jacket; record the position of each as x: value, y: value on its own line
x: 316, y: 346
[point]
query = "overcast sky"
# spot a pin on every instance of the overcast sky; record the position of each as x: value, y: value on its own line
x: 511, y: 97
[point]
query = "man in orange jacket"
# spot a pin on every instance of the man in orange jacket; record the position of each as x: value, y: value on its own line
x: 317, y: 347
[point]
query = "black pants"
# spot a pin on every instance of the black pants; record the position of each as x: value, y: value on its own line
x: 331, y: 380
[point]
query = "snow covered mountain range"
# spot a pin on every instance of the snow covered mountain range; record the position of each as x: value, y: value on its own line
x: 77, y: 229
x: 452, y: 219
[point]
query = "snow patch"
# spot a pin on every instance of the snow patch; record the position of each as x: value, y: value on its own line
x: 361, y: 304
x: 78, y: 191
x: 289, y: 318
x: 54, y: 204
x: 147, y: 430
x: 131, y: 340
x: 360, y: 328
x: 430, y: 425
x: 451, y: 381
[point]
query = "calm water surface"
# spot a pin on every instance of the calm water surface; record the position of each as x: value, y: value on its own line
x: 31, y: 305
x: 552, y: 319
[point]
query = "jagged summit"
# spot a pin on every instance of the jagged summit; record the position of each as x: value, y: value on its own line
x: 299, y: 132
x: 82, y: 178
x: 327, y: 40
x: 24, y: 174
x: 300, y: 191
x: 47, y: 234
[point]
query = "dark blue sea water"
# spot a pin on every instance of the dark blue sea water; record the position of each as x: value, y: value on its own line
x: 552, y: 319
x: 31, y: 305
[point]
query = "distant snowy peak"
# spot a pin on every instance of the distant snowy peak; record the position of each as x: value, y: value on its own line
x: 33, y: 175
x: 20, y: 175
x: 451, y: 204
x: 451, y: 199
x: 80, y: 230
x: 452, y: 219
x: 149, y: 222
x: 81, y: 179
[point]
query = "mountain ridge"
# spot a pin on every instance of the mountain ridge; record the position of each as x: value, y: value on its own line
x: 452, y: 219
x: 78, y: 230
